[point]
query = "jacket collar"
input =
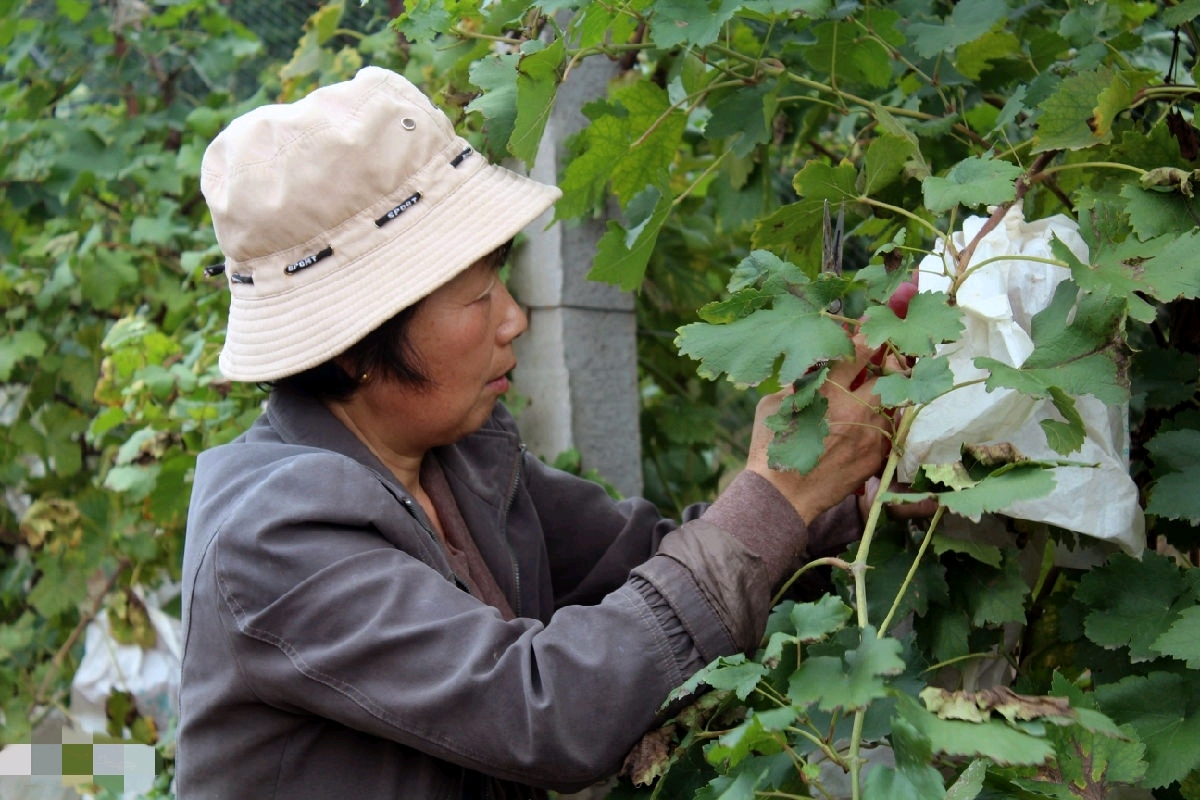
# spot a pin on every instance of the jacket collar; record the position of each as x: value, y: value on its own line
x: 485, y: 462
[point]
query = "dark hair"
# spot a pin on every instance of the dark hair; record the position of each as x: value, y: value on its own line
x: 385, y: 353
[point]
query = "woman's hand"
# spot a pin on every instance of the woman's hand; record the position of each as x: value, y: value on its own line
x: 858, y: 441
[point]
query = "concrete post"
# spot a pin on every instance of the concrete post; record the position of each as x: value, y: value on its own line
x: 578, y: 360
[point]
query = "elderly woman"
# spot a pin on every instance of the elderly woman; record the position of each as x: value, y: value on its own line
x: 385, y: 595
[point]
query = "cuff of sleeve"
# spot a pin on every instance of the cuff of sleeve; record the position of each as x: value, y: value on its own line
x: 755, y: 513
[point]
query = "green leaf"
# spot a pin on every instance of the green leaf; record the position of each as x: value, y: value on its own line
x: 929, y: 379
x: 997, y: 492
x: 606, y: 140
x: 972, y: 182
x: 655, y: 131
x: 841, y: 49
x: 497, y: 77
x: 746, y: 349
x: 993, y: 739
x: 799, y: 427
x: 930, y: 321
x: 886, y: 157
x: 1182, y: 639
x: 1132, y: 602
x: 1161, y: 267
x: 984, y: 553
x: 815, y: 621
x: 538, y: 76
x: 689, y: 22
x: 1067, y: 435
x: 621, y: 256
x: 1164, y: 710
x: 969, y: 20
x: 732, y: 673
x: 759, y: 734
x: 998, y: 596
x: 746, y: 114
x: 1173, y: 494
x: 16, y: 347
x: 976, y: 57
x: 796, y: 227
x: 1070, y: 118
x: 970, y: 783
x: 1154, y: 214
x: 851, y: 681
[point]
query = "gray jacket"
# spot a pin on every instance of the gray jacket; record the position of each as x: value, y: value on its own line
x: 330, y: 652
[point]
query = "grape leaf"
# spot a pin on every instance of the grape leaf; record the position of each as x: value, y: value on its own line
x: 984, y: 553
x: 622, y: 255
x: 1181, y: 13
x: 997, y: 595
x: 655, y: 131
x: 734, y: 673
x: 912, y: 778
x: 757, y: 734
x: 993, y: 739
x: 1182, y: 639
x: 1176, y: 456
x: 690, y: 22
x: 998, y: 491
x: 764, y: 269
x: 969, y: 20
x: 851, y: 681
x: 538, y: 76
x: 799, y: 427
x: 972, y: 182
x: 1152, y: 214
x: 746, y: 349
x: 1132, y: 602
x: 976, y: 57
x: 797, y: 226
x: 497, y: 77
x: 741, y: 303
x: 1164, y: 710
x: 1067, y: 115
x: 17, y: 347
x: 930, y: 321
x: 886, y: 157
x: 815, y: 621
x: 746, y: 114
x: 1067, y: 435
x: 1073, y: 342
x: 841, y: 51
x: 604, y: 141
x: 929, y: 379
x: 1161, y: 267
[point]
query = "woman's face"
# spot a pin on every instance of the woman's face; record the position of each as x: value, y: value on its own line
x: 462, y: 337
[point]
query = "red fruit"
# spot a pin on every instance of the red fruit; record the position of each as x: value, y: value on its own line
x: 898, y: 302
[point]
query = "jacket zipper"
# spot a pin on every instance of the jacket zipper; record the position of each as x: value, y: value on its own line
x: 512, y: 554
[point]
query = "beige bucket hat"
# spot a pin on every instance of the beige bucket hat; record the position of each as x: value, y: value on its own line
x: 338, y: 210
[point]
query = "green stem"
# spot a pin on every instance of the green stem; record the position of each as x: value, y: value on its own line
x: 859, y: 570
x: 912, y: 571
x: 820, y: 743
x: 1091, y: 164
x: 830, y: 561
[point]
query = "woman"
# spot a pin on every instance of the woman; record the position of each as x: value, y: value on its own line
x: 385, y: 596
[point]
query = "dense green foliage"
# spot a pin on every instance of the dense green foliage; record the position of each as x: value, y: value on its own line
x: 730, y: 126
x: 108, y: 378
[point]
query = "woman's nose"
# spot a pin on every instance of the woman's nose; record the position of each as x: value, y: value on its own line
x: 514, y: 322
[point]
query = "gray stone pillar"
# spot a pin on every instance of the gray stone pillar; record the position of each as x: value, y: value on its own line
x: 578, y: 360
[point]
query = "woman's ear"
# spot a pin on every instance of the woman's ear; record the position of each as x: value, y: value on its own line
x: 351, y: 369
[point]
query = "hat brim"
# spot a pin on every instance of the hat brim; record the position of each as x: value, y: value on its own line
x: 492, y: 206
